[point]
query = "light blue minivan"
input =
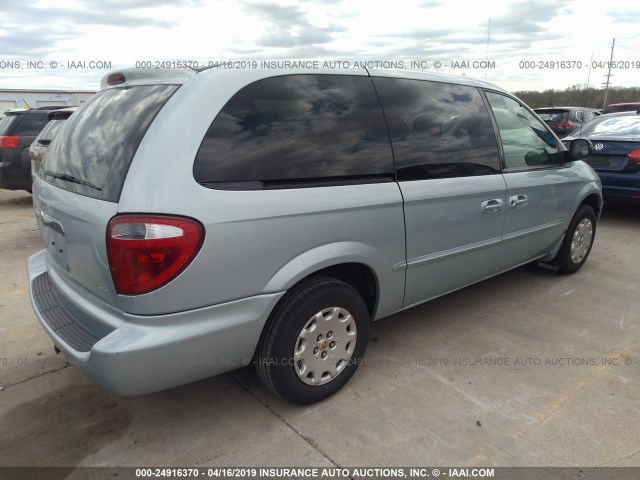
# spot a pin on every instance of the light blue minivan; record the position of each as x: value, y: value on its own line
x: 195, y: 222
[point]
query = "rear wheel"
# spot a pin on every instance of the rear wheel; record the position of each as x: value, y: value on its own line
x: 314, y: 340
x: 578, y: 241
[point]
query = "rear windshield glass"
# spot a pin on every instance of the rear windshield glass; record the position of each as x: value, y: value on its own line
x: 632, y: 107
x: 51, y: 130
x: 553, y: 116
x: 93, y: 154
x: 33, y: 123
x: 612, y: 127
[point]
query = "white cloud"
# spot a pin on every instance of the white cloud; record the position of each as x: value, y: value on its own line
x: 125, y: 31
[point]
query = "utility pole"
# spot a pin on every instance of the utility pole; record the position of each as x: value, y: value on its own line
x: 608, y: 75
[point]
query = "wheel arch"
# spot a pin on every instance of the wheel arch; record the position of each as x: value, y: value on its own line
x: 594, y: 201
x: 353, y: 263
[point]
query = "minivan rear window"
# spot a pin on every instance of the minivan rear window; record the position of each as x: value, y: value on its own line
x: 92, y: 155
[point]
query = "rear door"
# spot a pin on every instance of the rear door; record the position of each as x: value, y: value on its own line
x: 78, y: 188
x: 448, y: 169
x: 541, y: 191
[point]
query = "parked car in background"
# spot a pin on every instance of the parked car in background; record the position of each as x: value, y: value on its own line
x: 622, y: 107
x: 40, y: 145
x: 273, y: 222
x: 18, y: 129
x: 616, y: 154
x: 564, y: 120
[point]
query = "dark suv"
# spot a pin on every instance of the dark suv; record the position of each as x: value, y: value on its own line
x: 18, y: 128
x: 564, y: 120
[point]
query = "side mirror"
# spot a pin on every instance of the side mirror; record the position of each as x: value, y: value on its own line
x: 580, y: 148
x: 536, y: 157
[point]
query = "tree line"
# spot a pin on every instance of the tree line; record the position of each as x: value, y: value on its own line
x: 578, y: 96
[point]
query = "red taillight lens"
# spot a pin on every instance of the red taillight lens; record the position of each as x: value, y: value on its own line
x: 634, y: 156
x: 9, y: 141
x: 148, y: 251
x: 567, y: 124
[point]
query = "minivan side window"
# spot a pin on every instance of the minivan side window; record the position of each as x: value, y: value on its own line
x: 526, y: 141
x: 438, y: 130
x: 297, y: 131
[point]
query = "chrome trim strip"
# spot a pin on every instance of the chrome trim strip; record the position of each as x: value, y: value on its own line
x: 434, y: 257
x: 49, y: 221
x: 529, y: 231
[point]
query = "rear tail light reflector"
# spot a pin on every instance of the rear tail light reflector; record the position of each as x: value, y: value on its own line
x: 148, y: 251
x: 634, y: 156
x: 9, y: 141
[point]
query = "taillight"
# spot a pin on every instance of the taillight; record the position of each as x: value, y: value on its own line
x: 567, y: 124
x: 9, y: 141
x: 148, y: 251
x: 634, y: 156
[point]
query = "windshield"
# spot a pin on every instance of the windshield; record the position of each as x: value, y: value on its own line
x: 612, y: 127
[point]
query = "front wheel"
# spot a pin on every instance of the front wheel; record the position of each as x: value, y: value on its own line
x: 314, y: 340
x: 578, y: 241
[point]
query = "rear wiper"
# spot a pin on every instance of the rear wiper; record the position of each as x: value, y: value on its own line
x: 70, y: 178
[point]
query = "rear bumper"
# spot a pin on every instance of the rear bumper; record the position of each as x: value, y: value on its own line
x: 620, y: 187
x: 133, y: 354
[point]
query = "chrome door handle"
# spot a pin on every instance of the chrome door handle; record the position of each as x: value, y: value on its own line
x: 516, y: 201
x: 492, y: 206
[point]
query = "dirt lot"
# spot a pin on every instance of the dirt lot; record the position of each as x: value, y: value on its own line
x: 526, y: 369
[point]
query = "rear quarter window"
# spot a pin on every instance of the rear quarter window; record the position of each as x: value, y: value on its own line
x: 99, y: 141
x: 297, y: 130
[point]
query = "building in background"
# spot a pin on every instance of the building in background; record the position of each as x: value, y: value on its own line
x: 41, y: 98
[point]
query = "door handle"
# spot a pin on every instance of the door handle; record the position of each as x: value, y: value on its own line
x: 492, y: 206
x: 516, y: 201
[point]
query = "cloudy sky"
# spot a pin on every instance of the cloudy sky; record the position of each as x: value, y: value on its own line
x: 527, y: 40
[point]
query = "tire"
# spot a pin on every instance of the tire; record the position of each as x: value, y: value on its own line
x: 307, y: 352
x: 577, y: 241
